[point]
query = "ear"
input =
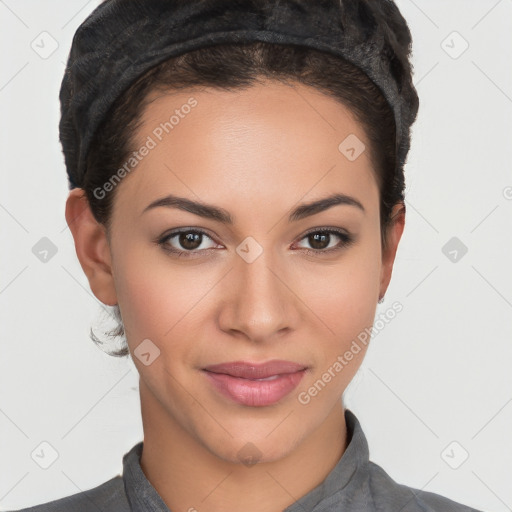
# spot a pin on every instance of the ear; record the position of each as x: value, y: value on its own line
x: 91, y: 245
x: 393, y: 234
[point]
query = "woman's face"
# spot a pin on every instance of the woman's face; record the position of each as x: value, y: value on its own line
x: 270, y: 284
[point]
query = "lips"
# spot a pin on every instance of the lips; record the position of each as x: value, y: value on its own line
x: 253, y: 371
x: 253, y: 384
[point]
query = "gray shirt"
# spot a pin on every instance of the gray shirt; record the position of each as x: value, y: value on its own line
x: 355, y: 484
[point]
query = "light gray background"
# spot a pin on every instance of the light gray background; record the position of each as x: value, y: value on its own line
x: 438, y: 373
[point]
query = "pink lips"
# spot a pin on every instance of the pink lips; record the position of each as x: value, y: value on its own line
x: 241, y: 381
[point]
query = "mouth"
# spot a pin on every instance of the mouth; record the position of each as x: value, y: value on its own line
x: 256, y: 371
x: 253, y: 384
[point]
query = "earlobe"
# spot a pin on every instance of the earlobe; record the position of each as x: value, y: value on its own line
x: 394, y: 234
x: 91, y: 245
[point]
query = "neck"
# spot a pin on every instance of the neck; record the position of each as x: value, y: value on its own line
x: 188, y: 476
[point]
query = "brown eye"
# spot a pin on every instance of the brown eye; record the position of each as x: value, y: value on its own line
x: 186, y: 241
x: 320, y: 241
x: 190, y: 240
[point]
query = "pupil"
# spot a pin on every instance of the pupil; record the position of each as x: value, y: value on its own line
x: 190, y: 240
x: 319, y: 239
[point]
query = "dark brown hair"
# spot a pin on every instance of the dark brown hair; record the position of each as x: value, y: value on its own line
x: 238, y: 66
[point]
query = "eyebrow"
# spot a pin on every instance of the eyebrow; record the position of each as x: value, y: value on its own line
x: 219, y: 214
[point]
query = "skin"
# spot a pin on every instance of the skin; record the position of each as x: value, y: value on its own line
x: 256, y: 153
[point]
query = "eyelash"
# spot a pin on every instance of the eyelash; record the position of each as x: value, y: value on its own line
x: 346, y: 241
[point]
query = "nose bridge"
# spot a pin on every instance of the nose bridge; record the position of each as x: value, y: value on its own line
x: 262, y: 304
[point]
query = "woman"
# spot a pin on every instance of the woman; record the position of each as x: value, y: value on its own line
x: 236, y: 176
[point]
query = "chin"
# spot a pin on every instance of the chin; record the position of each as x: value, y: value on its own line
x: 250, y: 453
x: 256, y: 445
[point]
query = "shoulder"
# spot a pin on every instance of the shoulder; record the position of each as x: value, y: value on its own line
x: 391, y: 496
x: 109, y: 495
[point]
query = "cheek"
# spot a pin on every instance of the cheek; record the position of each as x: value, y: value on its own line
x: 149, y: 294
x: 160, y: 299
x: 343, y: 295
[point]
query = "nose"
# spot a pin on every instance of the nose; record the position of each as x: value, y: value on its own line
x: 259, y: 300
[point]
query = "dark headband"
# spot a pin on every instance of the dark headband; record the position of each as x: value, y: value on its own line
x: 122, y: 39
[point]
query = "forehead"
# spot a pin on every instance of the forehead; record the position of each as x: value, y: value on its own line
x: 271, y: 141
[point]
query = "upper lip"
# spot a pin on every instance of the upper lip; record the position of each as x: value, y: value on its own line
x: 247, y: 370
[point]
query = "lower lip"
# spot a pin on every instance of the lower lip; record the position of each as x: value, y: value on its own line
x: 255, y: 393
